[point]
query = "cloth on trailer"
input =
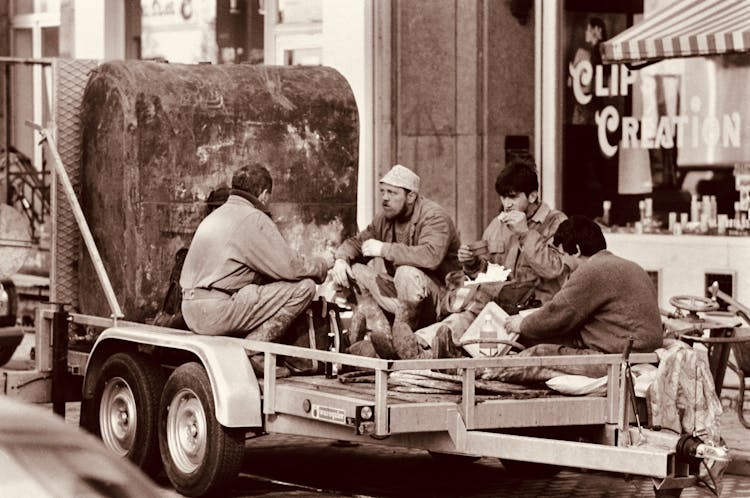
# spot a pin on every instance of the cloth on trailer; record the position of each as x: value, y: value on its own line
x: 683, y: 397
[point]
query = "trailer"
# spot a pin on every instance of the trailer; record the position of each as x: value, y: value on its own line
x: 185, y: 402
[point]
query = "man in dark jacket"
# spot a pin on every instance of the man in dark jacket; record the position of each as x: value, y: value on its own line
x: 400, y: 260
x: 240, y: 277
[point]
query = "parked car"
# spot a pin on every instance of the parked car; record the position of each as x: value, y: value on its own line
x: 43, y: 456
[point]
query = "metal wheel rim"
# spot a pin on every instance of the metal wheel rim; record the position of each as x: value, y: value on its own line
x: 186, y: 431
x: 118, y: 417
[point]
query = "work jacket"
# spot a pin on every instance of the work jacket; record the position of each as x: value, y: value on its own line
x: 428, y: 240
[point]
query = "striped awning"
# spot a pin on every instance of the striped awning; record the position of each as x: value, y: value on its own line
x: 684, y: 28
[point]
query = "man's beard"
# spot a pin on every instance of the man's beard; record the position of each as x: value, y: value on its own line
x: 401, y: 214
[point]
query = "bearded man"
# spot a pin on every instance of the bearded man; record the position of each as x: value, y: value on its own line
x: 400, y: 260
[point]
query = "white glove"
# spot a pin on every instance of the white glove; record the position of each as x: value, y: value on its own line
x: 372, y: 248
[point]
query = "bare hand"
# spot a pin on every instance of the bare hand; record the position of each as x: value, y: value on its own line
x: 513, y: 323
x: 465, y: 255
x: 372, y: 248
x: 341, y: 273
x: 515, y: 221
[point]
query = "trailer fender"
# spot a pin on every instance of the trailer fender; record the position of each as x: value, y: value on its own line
x: 235, y: 387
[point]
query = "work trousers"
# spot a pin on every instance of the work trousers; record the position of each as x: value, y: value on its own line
x: 260, y: 312
x: 409, y: 285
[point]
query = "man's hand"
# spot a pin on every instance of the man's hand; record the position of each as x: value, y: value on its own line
x: 372, y: 248
x: 513, y: 323
x: 515, y: 221
x: 465, y: 255
x: 341, y: 273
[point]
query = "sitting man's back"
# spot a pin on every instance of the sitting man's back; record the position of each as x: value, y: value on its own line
x: 240, y: 277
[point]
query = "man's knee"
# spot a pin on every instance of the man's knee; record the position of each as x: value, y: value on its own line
x: 305, y: 289
x: 360, y: 271
x: 410, y: 284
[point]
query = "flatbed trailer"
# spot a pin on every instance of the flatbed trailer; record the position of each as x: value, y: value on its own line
x: 172, y: 399
x: 184, y: 402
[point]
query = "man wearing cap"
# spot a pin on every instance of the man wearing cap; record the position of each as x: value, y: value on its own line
x: 400, y: 260
x: 240, y: 277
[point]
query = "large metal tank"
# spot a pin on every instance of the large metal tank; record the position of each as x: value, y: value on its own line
x: 158, y: 139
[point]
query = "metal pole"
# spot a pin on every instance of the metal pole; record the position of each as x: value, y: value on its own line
x: 83, y: 226
x: 59, y: 359
x: 7, y: 134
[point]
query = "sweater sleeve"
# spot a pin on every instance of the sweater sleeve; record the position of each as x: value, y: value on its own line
x: 430, y: 249
x: 568, y: 309
x: 269, y: 254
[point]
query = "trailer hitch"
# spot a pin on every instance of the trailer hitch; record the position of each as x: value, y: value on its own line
x: 691, y: 447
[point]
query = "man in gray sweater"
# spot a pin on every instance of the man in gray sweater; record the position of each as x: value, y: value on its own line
x: 606, y: 301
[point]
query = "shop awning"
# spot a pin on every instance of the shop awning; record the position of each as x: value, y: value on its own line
x: 685, y: 28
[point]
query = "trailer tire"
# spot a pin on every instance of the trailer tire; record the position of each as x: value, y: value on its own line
x: 124, y: 409
x: 198, y: 453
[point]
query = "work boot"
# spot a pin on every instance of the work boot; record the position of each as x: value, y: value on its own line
x: 406, y: 343
x: 374, y: 318
x: 363, y: 348
x: 258, y: 361
x: 407, y: 313
x: 273, y: 329
x: 383, y: 345
x: 443, y: 345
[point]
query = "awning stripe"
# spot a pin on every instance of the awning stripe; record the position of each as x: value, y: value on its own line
x: 684, y: 28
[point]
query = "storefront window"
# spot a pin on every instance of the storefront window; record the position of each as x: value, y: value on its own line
x: 656, y: 146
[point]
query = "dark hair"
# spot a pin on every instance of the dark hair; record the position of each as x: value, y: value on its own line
x: 253, y: 179
x: 597, y: 22
x: 581, y: 232
x: 518, y: 176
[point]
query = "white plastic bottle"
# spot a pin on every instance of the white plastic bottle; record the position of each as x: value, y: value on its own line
x: 488, y: 331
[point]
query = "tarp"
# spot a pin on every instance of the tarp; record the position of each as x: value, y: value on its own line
x: 685, y: 28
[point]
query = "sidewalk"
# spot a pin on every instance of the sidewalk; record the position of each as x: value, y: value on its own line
x: 734, y: 433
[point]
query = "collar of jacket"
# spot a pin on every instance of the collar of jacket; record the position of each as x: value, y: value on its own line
x: 541, y: 213
x: 252, y: 200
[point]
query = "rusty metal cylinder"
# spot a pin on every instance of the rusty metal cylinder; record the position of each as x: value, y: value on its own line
x: 158, y: 139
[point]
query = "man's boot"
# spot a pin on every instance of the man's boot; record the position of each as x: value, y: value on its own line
x: 363, y: 348
x: 407, y: 313
x: 258, y: 363
x: 273, y: 329
x: 367, y: 313
x: 443, y: 345
x: 383, y: 344
x: 406, y: 344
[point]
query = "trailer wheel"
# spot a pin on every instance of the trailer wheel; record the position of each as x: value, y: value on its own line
x: 530, y: 470
x: 124, y: 409
x: 198, y: 453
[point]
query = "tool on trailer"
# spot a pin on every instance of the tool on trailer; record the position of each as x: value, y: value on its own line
x: 630, y: 387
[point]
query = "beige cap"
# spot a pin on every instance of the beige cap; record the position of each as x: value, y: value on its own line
x: 401, y: 176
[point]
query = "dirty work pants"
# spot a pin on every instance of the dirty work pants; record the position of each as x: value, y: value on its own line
x: 408, y: 285
x: 260, y: 312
